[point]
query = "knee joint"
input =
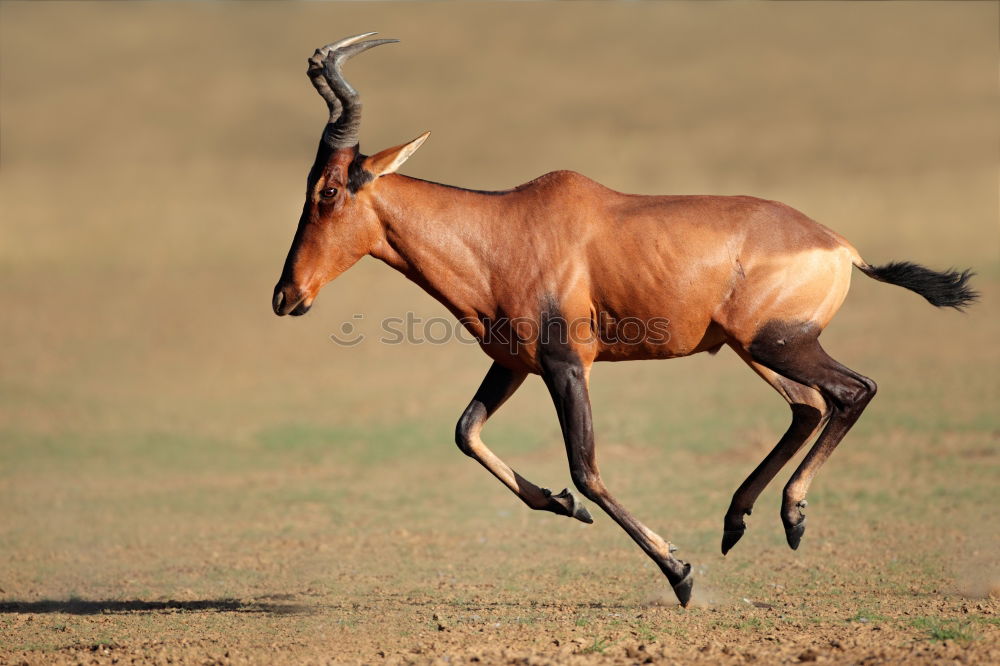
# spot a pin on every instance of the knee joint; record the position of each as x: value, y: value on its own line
x: 588, y: 483
x: 871, y: 388
x: 857, y: 395
x: 465, y: 431
x: 864, y: 392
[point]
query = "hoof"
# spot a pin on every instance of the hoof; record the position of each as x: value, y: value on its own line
x: 794, y: 534
x: 683, y: 588
x: 730, y: 537
x: 574, y: 507
x: 581, y: 514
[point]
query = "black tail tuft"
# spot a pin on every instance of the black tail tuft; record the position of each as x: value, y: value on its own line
x: 944, y: 289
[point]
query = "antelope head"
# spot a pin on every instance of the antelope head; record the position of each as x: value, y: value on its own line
x: 338, y: 225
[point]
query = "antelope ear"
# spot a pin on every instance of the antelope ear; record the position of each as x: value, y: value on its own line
x: 390, y: 159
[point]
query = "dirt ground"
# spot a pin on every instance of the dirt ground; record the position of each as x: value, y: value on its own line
x: 187, y: 479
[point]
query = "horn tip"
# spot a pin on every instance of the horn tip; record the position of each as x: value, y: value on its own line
x: 346, y: 41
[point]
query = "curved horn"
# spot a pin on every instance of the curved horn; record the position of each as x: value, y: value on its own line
x: 342, y: 99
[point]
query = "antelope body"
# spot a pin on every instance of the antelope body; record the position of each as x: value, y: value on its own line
x: 561, y: 272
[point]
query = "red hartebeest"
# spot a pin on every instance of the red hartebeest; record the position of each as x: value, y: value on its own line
x: 544, y: 273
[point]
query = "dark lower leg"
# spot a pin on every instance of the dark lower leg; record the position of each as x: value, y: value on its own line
x: 794, y: 351
x: 844, y: 416
x: 809, y: 411
x: 678, y: 573
x: 805, y: 420
x: 566, y: 380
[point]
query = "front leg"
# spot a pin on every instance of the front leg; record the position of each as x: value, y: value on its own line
x: 499, y: 384
x: 567, y: 380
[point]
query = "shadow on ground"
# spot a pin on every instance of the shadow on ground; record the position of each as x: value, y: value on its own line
x: 96, y: 607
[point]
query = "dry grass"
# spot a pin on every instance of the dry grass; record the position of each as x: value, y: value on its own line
x: 184, y: 475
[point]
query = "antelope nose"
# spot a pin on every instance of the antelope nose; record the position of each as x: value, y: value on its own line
x: 288, y: 299
x: 278, y: 301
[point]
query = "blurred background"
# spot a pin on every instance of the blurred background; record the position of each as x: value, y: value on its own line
x: 163, y: 434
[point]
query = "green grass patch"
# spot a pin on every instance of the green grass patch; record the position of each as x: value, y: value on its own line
x: 865, y: 616
x: 944, y: 629
x: 644, y: 633
x: 598, y: 646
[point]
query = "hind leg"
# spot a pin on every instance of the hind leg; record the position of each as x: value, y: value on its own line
x: 793, y: 351
x: 809, y: 412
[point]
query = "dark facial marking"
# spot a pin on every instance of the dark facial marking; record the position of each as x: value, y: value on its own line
x: 323, y: 154
x: 357, y: 175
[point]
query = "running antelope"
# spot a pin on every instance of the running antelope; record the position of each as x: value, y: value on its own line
x: 543, y: 274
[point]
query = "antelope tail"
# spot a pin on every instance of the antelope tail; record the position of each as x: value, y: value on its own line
x: 941, y: 288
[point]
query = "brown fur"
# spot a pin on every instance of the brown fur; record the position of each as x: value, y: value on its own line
x: 716, y: 268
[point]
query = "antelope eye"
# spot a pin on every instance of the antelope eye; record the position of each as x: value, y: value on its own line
x: 328, y: 192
